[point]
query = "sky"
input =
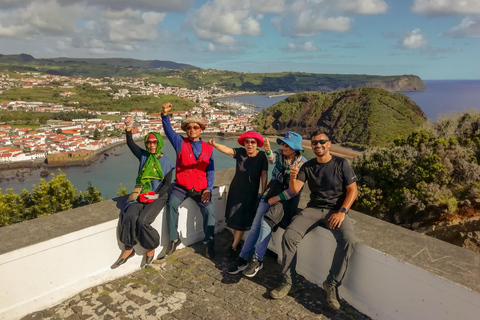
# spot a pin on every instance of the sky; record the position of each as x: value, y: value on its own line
x: 434, y: 39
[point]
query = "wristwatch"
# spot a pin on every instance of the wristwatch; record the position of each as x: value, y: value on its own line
x: 342, y: 209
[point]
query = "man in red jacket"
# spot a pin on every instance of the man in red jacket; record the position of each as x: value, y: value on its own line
x: 194, y: 178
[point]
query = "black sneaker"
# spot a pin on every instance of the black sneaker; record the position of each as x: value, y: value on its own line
x: 253, y: 267
x: 239, y: 266
x: 171, y: 247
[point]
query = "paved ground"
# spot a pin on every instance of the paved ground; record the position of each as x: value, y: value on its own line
x: 188, y: 286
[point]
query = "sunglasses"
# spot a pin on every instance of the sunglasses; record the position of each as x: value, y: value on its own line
x: 152, y: 142
x: 193, y: 127
x: 322, y: 142
x: 252, y: 141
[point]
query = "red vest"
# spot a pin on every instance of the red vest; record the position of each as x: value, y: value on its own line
x: 191, y: 172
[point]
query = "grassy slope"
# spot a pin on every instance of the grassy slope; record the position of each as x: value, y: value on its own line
x: 363, y: 116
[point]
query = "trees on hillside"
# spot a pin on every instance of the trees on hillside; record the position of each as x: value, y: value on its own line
x: 47, y: 198
x: 430, y: 172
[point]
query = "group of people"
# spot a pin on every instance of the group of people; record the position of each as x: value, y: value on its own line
x: 252, y: 204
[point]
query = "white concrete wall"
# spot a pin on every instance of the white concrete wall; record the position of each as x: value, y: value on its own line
x: 380, y: 285
x: 44, y: 274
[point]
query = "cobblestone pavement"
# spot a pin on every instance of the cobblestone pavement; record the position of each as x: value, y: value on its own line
x: 186, y: 285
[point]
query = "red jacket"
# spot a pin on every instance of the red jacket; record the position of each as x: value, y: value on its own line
x: 191, y: 172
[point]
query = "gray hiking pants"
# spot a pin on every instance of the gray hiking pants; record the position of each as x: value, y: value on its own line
x: 304, y: 222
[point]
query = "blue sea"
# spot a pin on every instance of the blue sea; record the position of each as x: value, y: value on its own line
x: 442, y: 97
x: 119, y: 167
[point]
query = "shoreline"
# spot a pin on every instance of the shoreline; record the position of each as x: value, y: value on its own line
x: 20, y: 166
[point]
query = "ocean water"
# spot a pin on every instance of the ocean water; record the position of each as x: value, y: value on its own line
x: 120, y: 166
x: 442, y: 97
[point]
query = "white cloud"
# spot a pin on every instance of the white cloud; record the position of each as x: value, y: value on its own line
x: 414, y: 40
x: 446, y: 7
x: 469, y: 27
x: 363, y: 6
x: 308, y: 17
x: 307, y: 46
x: 218, y: 21
x: 222, y: 22
x: 40, y: 18
x: 128, y: 25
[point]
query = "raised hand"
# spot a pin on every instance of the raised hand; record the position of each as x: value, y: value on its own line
x: 166, y: 108
x: 211, y: 142
x: 267, y: 145
x: 128, y: 123
x: 294, y: 171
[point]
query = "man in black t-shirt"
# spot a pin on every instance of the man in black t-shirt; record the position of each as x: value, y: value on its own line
x: 333, y: 188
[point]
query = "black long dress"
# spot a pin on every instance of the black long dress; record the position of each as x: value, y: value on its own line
x: 243, y: 192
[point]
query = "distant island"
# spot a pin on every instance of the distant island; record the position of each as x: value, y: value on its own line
x: 174, y: 74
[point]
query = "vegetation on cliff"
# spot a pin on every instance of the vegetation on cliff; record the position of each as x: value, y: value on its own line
x: 47, y: 198
x: 361, y: 117
x: 430, y: 178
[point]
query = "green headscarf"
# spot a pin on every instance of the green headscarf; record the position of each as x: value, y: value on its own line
x: 152, y: 168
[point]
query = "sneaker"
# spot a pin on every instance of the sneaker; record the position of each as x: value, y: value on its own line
x: 281, y: 291
x: 171, y: 247
x: 331, y: 291
x: 253, y: 267
x: 239, y: 266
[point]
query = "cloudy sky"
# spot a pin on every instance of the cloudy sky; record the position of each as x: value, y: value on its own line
x: 435, y: 39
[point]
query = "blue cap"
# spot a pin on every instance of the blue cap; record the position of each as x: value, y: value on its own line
x: 293, y: 140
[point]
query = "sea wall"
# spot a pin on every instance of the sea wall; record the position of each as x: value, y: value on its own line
x: 394, y: 273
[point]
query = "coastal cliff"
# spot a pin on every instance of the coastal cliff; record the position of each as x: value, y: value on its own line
x: 359, y: 117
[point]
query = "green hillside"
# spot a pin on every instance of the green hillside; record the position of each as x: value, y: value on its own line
x: 170, y: 73
x: 362, y: 116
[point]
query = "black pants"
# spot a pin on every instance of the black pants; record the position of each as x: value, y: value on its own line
x: 135, y: 224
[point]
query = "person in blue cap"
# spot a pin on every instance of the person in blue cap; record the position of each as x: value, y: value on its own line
x: 333, y: 189
x: 277, y: 205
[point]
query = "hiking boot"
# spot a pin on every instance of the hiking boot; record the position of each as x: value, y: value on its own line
x: 331, y: 291
x: 281, y: 291
x: 239, y: 266
x: 171, y: 247
x: 253, y: 267
x: 210, y: 250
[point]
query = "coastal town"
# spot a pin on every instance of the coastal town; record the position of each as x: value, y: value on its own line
x: 60, y: 141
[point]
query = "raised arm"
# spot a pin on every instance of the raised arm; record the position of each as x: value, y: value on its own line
x: 175, y: 139
x: 136, y: 150
x: 222, y: 148
x: 294, y: 184
x: 268, y: 151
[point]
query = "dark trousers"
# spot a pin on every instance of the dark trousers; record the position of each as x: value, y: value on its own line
x: 135, y: 224
x: 303, y: 223
x: 175, y: 198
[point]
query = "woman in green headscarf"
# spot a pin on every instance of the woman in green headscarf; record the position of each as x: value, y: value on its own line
x: 149, y: 197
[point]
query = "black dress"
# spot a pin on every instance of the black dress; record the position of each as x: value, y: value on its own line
x: 243, y: 191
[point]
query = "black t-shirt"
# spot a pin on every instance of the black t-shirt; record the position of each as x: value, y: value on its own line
x: 327, y: 181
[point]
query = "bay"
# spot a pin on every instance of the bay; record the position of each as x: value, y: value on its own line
x: 120, y: 167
